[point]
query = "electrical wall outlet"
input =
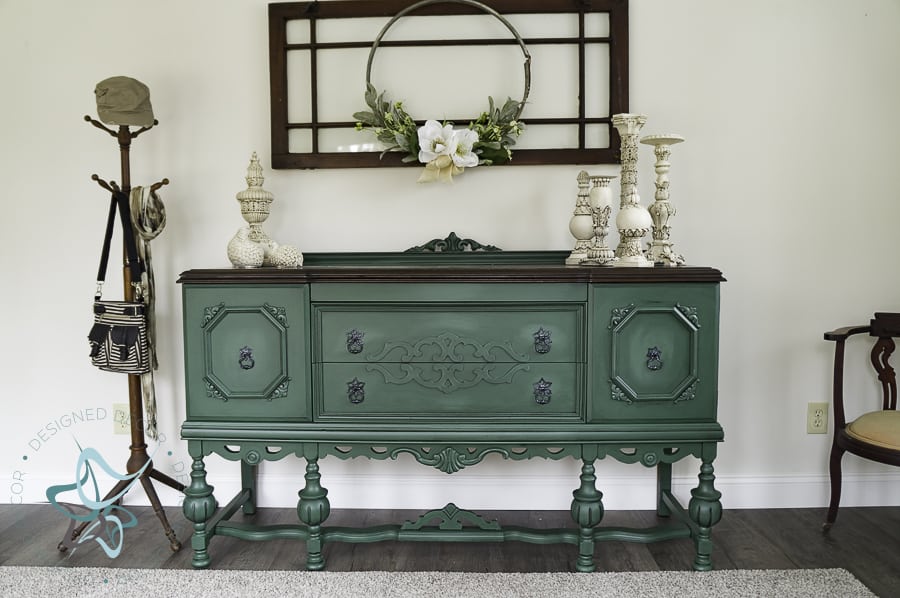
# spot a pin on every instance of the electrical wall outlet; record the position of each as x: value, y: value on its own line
x: 121, y: 419
x: 817, y: 418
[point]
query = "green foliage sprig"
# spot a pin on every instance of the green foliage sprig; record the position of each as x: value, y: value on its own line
x: 497, y: 128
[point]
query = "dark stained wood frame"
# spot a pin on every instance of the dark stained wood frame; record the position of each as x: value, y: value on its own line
x: 885, y: 327
x: 281, y: 13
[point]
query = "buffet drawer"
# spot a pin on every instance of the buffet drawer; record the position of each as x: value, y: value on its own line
x: 461, y: 390
x: 456, y: 333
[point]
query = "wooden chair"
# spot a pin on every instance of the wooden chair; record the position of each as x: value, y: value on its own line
x: 873, y: 435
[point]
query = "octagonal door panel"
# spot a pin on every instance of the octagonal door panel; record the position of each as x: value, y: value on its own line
x: 246, y: 352
x: 653, y: 353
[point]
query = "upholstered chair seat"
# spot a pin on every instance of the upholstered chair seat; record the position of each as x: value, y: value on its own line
x: 878, y: 428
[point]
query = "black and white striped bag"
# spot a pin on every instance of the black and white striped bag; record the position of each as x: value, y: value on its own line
x: 118, y: 338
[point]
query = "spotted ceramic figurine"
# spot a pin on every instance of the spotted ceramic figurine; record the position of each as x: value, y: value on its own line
x: 287, y: 256
x: 244, y: 253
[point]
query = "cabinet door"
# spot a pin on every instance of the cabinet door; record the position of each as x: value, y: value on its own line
x: 246, y: 352
x: 654, y: 352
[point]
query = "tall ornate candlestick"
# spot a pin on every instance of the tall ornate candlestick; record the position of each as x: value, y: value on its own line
x: 661, y: 210
x: 601, y: 208
x: 633, y: 219
x: 581, y: 225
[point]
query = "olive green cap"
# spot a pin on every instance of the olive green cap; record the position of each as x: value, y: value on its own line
x: 124, y: 101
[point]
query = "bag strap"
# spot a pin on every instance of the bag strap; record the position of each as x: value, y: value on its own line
x: 119, y: 200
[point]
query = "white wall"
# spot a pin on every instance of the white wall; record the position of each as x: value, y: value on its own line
x: 785, y: 184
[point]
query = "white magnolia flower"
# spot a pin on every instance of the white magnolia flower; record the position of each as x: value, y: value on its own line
x: 463, y: 156
x: 435, y: 140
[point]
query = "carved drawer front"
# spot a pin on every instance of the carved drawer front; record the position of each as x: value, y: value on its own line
x: 246, y: 352
x: 461, y: 390
x: 654, y: 350
x: 463, y: 360
x: 454, y: 334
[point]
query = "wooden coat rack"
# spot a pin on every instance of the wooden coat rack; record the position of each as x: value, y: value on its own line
x: 139, y: 457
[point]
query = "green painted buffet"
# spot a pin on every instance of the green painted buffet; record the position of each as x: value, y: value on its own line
x: 450, y: 357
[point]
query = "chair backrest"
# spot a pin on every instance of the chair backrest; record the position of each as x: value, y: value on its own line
x: 885, y: 326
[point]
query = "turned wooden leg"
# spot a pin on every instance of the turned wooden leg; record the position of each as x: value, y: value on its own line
x: 705, y: 510
x: 834, y: 468
x: 248, y: 482
x: 313, y: 509
x: 199, y: 505
x: 663, y: 486
x: 587, y: 511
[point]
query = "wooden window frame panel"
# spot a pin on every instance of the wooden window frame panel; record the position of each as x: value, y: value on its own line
x: 281, y: 13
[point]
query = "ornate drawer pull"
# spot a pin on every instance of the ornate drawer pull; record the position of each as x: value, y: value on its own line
x: 654, y: 359
x: 356, y: 391
x: 542, y: 392
x: 542, y: 341
x: 355, y: 341
x: 245, y: 358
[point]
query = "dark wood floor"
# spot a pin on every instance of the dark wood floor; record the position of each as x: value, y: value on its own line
x: 865, y: 541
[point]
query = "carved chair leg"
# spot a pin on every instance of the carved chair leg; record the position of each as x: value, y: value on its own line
x: 834, y: 469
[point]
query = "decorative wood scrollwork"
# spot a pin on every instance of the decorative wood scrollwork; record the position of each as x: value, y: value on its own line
x: 452, y: 244
x: 446, y: 347
x: 448, y: 459
x: 451, y: 517
x: 279, y: 313
x: 209, y: 313
x: 691, y: 313
x: 447, y: 377
x: 619, y: 314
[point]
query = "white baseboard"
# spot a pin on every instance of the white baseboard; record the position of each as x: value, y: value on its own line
x: 523, y: 492
x: 555, y: 493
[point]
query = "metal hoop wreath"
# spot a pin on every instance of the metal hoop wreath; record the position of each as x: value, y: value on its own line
x: 483, y: 7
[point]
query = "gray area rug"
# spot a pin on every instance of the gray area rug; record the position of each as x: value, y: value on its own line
x: 151, y: 583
